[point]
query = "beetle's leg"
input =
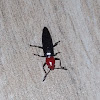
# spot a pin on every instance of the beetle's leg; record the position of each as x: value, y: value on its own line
x: 36, y: 46
x: 38, y: 55
x: 56, y: 53
x: 61, y: 68
x: 56, y: 44
x: 46, y: 75
x: 43, y: 67
x: 60, y: 64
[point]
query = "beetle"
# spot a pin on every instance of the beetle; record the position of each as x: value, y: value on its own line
x: 48, y: 49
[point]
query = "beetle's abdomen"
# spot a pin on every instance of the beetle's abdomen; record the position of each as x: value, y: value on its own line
x: 47, y: 42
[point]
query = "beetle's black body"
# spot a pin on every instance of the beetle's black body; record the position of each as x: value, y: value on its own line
x: 47, y: 46
x: 47, y: 42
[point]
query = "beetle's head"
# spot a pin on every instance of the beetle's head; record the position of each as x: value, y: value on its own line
x: 50, y: 61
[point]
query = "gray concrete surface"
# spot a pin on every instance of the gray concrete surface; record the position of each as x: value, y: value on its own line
x: 76, y: 23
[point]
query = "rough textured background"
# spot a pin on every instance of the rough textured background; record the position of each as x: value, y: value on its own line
x: 76, y: 23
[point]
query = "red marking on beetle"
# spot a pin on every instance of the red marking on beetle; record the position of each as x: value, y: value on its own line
x: 50, y: 61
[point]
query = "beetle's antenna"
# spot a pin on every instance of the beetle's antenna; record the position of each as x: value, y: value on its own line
x: 46, y: 75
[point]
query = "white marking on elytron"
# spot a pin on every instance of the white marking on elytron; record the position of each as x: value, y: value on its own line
x: 50, y: 63
x: 48, y: 53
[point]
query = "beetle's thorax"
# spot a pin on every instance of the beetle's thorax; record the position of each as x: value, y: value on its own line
x: 48, y: 54
x: 50, y: 61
